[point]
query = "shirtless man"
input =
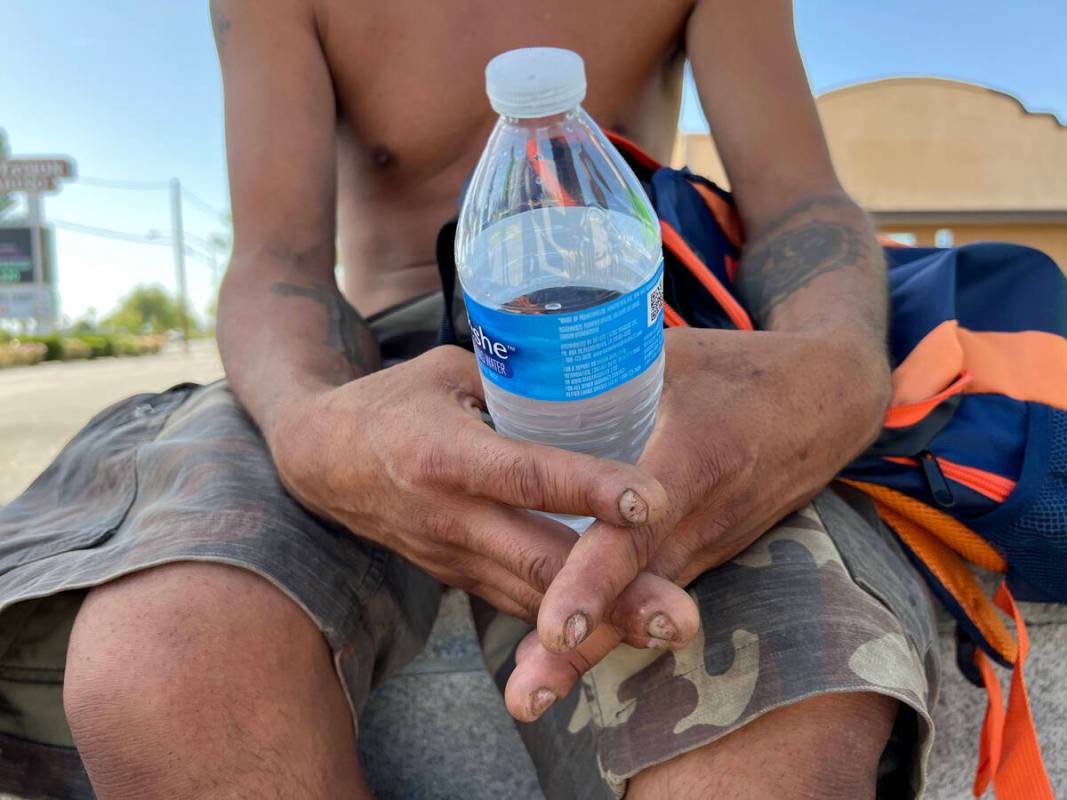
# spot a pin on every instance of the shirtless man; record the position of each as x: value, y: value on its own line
x: 234, y: 635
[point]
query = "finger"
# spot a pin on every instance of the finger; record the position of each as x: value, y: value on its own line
x: 604, y: 561
x: 527, y: 475
x: 530, y: 546
x: 541, y: 677
x: 503, y: 602
x: 640, y: 617
x: 529, y: 644
x: 496, y: 585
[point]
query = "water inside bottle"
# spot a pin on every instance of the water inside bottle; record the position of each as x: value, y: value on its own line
x: 560, y: 300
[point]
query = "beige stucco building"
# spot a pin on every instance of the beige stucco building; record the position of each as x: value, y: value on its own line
x: 939, y: 161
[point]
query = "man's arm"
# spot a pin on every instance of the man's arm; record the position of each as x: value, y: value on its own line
x: 284, y: 328
x: 399, y: 454
x: 811, y: 262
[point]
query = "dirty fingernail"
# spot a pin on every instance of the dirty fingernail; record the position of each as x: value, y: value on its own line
x: 659, y: 644
x: 661, y: 627
x: 633, y: 508
x: 576, y: 629
x: 540, y: 701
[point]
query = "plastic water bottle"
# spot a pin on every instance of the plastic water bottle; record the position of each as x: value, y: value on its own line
x: 560, y: 259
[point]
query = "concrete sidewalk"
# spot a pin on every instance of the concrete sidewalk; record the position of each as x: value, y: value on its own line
x: 438, y: 730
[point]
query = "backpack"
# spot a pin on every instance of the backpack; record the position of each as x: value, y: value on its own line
x: 971, y: 463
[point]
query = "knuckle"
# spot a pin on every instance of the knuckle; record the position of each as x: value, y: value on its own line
x: 440, y: 358
x: 643, y: 543
x: 427, y: 464
x: 447, y: 529
x: 716, y: 463
x: 521, y: 476
x: 449, y: 367
x: 601, y: 491
x: 538, y: 570
x: 530, y: 603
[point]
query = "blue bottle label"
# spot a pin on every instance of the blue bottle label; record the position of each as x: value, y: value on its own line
x: 570, y: 355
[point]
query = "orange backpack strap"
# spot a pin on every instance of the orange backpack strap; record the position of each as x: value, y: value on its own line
x: 671, y: 318
x: 1009, y: 751
x: 938, y: 540
x: 726, y: 216
x: 674, y: 242
x: 1009, y: 754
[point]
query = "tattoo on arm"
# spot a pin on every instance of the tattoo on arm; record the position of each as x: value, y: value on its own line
x: 346, y: 332
x: 798, y: 249
x: 219, y: 23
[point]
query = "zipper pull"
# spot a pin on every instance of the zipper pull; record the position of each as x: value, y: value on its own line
x: 935, y: 479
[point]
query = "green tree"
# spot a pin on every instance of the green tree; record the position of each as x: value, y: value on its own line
x: 7, y: 202
x: 146, y: 309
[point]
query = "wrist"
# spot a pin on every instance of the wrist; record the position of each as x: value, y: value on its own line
x: 288, y: 413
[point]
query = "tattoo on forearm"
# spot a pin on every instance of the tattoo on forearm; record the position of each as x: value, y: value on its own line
x: 219, y: 23
x: 797, y: 251
x: 345, y: 329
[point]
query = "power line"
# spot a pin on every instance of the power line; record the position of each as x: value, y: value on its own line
x: 203, y: 205
x: 187, y: 194
x: 107, y: 233
x: 109, y: 183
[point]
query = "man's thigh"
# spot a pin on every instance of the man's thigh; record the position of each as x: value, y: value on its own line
x: 182, y: 476
x: 824, y: 603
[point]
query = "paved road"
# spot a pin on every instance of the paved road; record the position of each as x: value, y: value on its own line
x: 43, y: 406
x: 437, y: 731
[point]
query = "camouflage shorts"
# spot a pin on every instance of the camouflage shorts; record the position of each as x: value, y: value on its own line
x: 823, y: 603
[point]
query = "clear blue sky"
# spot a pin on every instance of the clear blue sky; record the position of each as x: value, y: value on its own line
x: 131, y: 90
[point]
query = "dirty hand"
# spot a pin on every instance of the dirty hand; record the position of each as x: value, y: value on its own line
x: 402, y: 457
x: 752, y: 425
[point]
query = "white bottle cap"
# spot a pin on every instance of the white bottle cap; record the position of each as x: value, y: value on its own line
x: 535, y: 82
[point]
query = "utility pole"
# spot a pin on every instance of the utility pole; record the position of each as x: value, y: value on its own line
x: 33, y: 217
x: 178, y: 235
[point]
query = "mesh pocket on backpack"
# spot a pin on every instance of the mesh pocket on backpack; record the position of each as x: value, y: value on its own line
x: 1035, y: 542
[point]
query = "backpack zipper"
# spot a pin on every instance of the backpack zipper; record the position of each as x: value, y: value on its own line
x: 939, y: 471
x: 935, y: 479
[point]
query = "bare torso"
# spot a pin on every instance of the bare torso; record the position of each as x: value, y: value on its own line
x: 409, y: 81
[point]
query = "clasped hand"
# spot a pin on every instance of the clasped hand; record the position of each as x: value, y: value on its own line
x: 750, y: 427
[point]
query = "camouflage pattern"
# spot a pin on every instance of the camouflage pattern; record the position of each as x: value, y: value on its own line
x: 823, y: 603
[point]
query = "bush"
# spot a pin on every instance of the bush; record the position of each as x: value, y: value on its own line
x: 99, y: 346
x: 53, y: 343
x: 126, y: 345
x: 22, y: 354
x: 75, y: 349
x: 56, y: 347
x: 152, y: 343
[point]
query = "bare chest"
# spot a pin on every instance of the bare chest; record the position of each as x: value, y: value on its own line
x: 409, y: 74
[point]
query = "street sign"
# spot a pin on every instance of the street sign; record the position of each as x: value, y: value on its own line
x: 26, y: 184
x: 33, y: 174
x: 16, y: 256
x: 24, y: 302
x: 27, y: 277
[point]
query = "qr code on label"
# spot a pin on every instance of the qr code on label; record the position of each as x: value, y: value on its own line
x: 655, y: 302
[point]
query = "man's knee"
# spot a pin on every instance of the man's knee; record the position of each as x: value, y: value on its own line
x: 177, y: 655
x: 827, y: 747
